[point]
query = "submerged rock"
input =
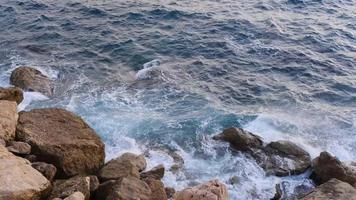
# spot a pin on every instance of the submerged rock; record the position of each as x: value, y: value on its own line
x: 19, y: 148
x: 30, y: 79
x: 283, y: 158
x: 327, y: 167
x: 240, y: 139
x: 11, y: 94
x: 47, y: 170
x: 155, y: 173
x: 127, y: 165
x: 65, y: 188
x: 8, y: 119
x: 18, y: 180
x: 63, y: 139
x: 212, y: 190
x: 332, y: 190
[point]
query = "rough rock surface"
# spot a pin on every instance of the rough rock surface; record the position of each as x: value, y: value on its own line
x: 2, y: 142
x: 212, y: 190
x: 76, y: 196
x: 327, y: 167
x: 61, y: 138
x: 129, y: 188
x: 30, y: 79
x: 157, y: 189
x: 283, y: 158
x: 64, y: 188
x: 18, y: 180
x: 240, y: 139
x: 11, y: 94
x: 94, y: 183
x: 47, y: 170
x: 20, y: 148
x: 155, y: 173
x: 170, y: 192
x: 332, y: 190
x: 124, y: 166
x: 8, y: 119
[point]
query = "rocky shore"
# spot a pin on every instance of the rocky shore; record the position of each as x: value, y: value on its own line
x: 52, y: 153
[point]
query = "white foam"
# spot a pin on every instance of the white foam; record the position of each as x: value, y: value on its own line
x: 30, y: 97
x: 147, y: 67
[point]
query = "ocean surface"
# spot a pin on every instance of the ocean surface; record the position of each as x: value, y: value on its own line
x: 158, y: 76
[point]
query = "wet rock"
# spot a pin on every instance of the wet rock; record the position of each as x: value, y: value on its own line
x: 65, y: 188
x: 279, y: 192
x: 11, y: 94
x: 283, y: 158
x: 327, y: 167
x: 332, y: 190
x: 170, y: 192
x: 47, y: 170
x: 234, y: 180
x: 155, y: 173
x: 19, y: 148
x: 212, y: 190
x: 124, y: 188
x: 124, y: 166
x: 94, y: 183
x: 240, y: 139
x: 30, y: 79
x: 8, y: 119
x: 157, y: 189
x: 18, y: 180
x: 76, y: 196
x: 63, y: 139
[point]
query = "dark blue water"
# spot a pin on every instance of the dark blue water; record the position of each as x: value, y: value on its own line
x: 164, y: 74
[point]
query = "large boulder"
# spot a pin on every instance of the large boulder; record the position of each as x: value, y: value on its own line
x: 8, y: 119
x: 18, y: 180
x: 124, y: 166
x: 240, y: 139
x: 212, y: 190
x: 129, y: 188
x: 155, y: 173
x: 65, y: 188
x: 283, y: 158
x: 332, y: 190
x: 47, y: 170
x: 327, y: 167
x: 157, y: 189
x: 11, y: 94
x: 63, y: 139
x: 30, y: 79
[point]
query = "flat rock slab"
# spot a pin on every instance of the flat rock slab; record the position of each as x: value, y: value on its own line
x: 63, y: 139
x: 8, y: 119
x: 18, y: 180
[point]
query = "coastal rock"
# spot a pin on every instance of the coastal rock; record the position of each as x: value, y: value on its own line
x: 30, y: 79
x: 157, y: 189
x: 2, y: 142
x: 212, y: 190
x: 283, y: 158
x: 11, y: 94
x: 332, y: 190
x: 240, y: 139
x: 170, y: 192
x: 63, y: 139
x: 65, y: 188
x: 18, y: 180
x: 124, y: 188
x: 47, y: 170
x: 94, y: 183
x: 8, y: 119
x: 31, y: 158
x: 327, y: 167
x: 76, y: 196
x: 19, y: 148
x: 124, y: 166
x: 155, y: 173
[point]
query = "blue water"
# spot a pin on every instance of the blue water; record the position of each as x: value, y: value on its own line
x: 159, y: 74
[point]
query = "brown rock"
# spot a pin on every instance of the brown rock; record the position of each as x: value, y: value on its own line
x: 76, y: 196
x: 212, y: 190
x: 94, y: 183
x: 129, y: 188
x: 8, y: 119
x: 64, y: 188
x: 155, y: 173
x: 30, y: 79
x: 19, y: 148
x: 327, y: 167
x: 63, y: 139
x: 240, y: 139
x: 283, y: 158
x: 2, y: 142
x: 47, y: 170
x: 157, y: 189
x: 332, y: 190
x: 31, y: 158
x: 11, y: 94
x: 18, y: 180
x: 124, y: 166
x: 170, y: 192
